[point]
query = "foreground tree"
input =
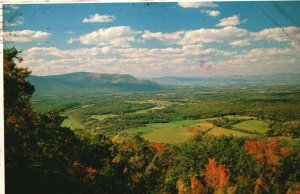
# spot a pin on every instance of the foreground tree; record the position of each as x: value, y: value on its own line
x: 38, y: 151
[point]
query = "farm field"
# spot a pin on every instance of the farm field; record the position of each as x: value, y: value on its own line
x: 253, y: 126
x: 173, y: 132
x: 180, y: 131
x: 159, y: 116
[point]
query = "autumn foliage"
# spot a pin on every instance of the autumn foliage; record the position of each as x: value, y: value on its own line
x: 268, y: 153
x: 159, y: 147
x: 196, y: 186
x: 216, y: 176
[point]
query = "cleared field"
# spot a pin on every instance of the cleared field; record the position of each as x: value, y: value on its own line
x: 219, y: 131
x: 256, y: 126
x: 173, y: 132
x: 239, y: 117
x: 102, y: 117
x: 72, y: 123
x: 200, y: 127
x: 229, y: 117
x: 181, y: 131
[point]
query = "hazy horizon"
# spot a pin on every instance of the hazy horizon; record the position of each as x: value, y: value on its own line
x: 151, y: 40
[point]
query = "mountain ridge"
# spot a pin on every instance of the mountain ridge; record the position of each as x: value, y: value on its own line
x: 79, y: 80
x: 280, y: 78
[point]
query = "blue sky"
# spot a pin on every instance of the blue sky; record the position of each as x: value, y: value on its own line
x: 157, y: 39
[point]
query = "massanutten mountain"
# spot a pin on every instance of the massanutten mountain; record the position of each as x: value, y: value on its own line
x: 283, y: 78
x: 91, y: 81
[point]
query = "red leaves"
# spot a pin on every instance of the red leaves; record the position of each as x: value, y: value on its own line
x: 216, y: 176
x: 90, y: 170
x: 159, y: 147
x: 269, y: 153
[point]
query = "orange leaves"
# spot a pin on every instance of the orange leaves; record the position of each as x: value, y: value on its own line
x: 159, y: 147
x: 115, y: 138
x: 216, y: 176
x: 259, y: 183
x: 196, y: 186
x: 268, y: 153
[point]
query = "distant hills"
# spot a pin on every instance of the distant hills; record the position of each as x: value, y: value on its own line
x: 91, y: 81
x: 84, y: 82
x: 286, y: 78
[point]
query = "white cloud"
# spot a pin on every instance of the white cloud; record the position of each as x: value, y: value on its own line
x: 196, y: 4
x: 278, y: 34
x: 232, y: 35
x: 244, y: 42
x: 10, y: 8
x: 25, y: 36
x: 164, y: 37
x: 199, y: 36
x: 99, y: 18
x: 135, y: 61
x: 117, y: 36
x: 19, y: 21
x: 213, y: 13
x: 230, y: 21
x: 203, y: 35
x: 147, y: 62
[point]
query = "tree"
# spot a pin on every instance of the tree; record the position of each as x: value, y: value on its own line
x: 271, y: 157
x: 38, y: 151
x: 19, y: 122
x: 216, y: 176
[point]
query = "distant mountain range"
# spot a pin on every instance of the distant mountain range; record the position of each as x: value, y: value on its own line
x: 95, y: 81
x: 100, y: 82
x: 286, y: 78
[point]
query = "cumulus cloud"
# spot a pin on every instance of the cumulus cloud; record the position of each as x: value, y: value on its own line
x: 232, y: 35
x: 97, y: 18
x: 147, y: 62
x: 230, y: 21
x: 196, y: 4
x: 213, y: 13
x: 117, y: 36
x: 136, y: 61
x: 204, y: 35
x: 278, y: 34
x: 25, y: 36
x: 199, y: 36
x: 164, y: 37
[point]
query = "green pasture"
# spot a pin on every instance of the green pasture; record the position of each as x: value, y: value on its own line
x: 256, y: 126
x: 173, y: 132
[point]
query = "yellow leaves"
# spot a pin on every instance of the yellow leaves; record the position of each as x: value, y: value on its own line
x: 182, y: 188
